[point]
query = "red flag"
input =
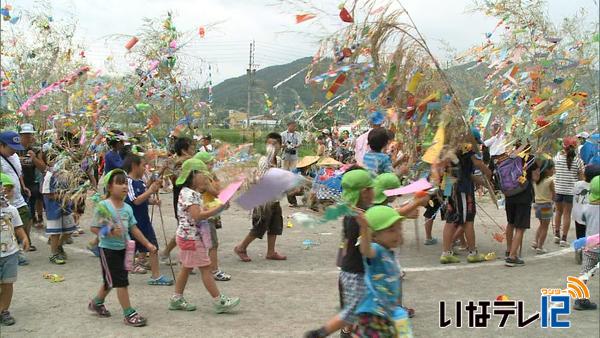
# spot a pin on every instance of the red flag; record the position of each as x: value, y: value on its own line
x: 345, y: 15
x: 304, y: 17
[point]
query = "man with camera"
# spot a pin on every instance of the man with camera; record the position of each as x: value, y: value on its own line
x: 291, y: 141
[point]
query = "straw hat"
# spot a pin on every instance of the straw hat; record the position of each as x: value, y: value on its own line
x: 307, y: 161
x: 328, y: 161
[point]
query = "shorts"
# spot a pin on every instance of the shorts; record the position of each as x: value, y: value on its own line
x: 25, y: 214
x: 213, y: 224
x: 370, y: 325
x: 518, y: 215
x: 353, y: 290
x: 543, y: 211
x: 8, y: 268
x: 431, y: 211
x: 194, y: 258
x: 64, y: 225
x: 148, y: 232
x: 268, y: 218
x: 113, y: 268
x: 560, y: 198
x: 460, y: 208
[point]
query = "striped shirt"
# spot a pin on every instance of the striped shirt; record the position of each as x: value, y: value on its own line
x: 378, y: 163
x: 565, y: 178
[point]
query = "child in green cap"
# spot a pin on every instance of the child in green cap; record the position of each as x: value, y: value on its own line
x: 10, y: 226
x: 380, y: 233
x: 357, y: 190
x: 591, y: 217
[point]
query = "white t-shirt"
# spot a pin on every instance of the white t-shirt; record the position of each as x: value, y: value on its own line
x: 8, y: 241
x: 18, y: 200
x: 580, y: 199
x: 496, y: 145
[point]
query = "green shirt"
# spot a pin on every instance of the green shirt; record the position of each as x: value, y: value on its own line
x: 127, y: 220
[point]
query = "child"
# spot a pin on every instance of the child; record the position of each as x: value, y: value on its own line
x: 113, y: 158
x: 382, y: 183
x: 375, y: 160
x: 60, y: 223
x: 139, y: 198
x: 544, y: 195
x: 113, y: 247
x: 208, y: 197
x: 193, y: 238
x: 10, y: 226
x: 580, y: 199
x: 380, y: 232
x: 267, y: 218
x: 357, y: 190
x: 591, y: 217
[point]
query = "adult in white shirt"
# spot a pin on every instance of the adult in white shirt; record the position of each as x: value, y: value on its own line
x: 362, y: 142
x: 205, y: 144
x: 496, y: 144
x: 291, y: 141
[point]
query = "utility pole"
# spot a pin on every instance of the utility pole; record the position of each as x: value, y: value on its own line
x: 250, y: 72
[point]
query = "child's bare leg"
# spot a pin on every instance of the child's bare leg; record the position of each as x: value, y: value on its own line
x: 154, y: 265
x: 123, y: 295
x: 271, y: 239
x: 102, y: 293
x: 170, y: 246
x: 54, y: 243
x: 6, y: 293
x: 542, y: 233
x: 209, y: 282
x: 214, y: 259
x: 428, y: 228
x: 182, y: 278
x: 64, y: 238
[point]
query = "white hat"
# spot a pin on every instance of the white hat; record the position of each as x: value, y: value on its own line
x: 26, y: 128
x: 583, y: 134
x: 325, y: 131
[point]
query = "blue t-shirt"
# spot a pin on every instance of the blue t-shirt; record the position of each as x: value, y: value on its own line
x: 378, y: 163
x: 382, y: 273
x: 112, y: 160
x: 136, y: 188
x: 127, y: 220
x: 55, y: 208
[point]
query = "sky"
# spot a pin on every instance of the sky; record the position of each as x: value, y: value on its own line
x: 232, y: 24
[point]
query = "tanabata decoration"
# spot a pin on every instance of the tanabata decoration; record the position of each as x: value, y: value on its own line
x: 271, y: 186
x: 345, y: 15
x: 131, y: 43
x: 56, y: 86
x: 201, y: 31
x: 142, y: 107
x: 414, y: 187
x: 434, y: 151
x: 335, y: 86
x: 226, y: 194
x: 414, y: 82
x: 304, y: 17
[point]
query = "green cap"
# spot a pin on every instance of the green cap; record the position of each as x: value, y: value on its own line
x: 381, y: 217
x: 204, y: 156
x: 353, y: 182
x: 595, y: 189
x: 188, y: 166
x: 382, y: 183
x: 111, y: 173
x: 6, y: 180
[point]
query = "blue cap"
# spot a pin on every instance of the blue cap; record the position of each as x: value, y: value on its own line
x: 376, y: 118
x: 476, y: 134
x: 11, y: 139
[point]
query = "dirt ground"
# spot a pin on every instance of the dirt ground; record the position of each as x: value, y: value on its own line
x: 284, y: 299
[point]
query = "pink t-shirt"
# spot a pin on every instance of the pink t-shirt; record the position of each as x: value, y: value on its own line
x: 362, y: 147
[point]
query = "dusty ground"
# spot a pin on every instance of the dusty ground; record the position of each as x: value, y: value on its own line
x: 284, y: 299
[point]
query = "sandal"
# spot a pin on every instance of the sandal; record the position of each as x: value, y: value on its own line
x: 99, y: 309
x: 276, y: 257
x: 135, y: 319
x: 243, y: 255
x: 32, y: 248
x: 161, y: 280
x: 138, y: 270
x: 221, y: 276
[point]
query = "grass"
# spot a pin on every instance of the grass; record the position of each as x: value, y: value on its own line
x: 256, y: 137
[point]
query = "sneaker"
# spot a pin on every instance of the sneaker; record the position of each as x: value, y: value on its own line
x: 135, y: 320
x: 475, y: 258
x: 556, y: 239
x: 563, y: 244
x: 181, y: 304
x: 511, y: 262
x: 584, y: 304
x: 225, y: 304
x: 540, y: 251
x: 221, y: 276
x: 578, y: 256
x: 161, y: 280
x: 22, y: 259
x: 62, y: 253
x: 6, y: 319
x: 57, y: 259
x: 431, y: 241
x: 450, y: 259
x: 99, y: 309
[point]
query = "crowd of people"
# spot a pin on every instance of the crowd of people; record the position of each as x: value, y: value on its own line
x: 558, y: 189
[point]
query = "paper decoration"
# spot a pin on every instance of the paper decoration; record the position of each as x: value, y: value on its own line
x: 226, y: 194
x: 345, y: 15
x: 201, y: 31
x: 131, y: 43
x: 419, y: 185
x: 335, y: 86
x: 304, y: 17
x: 270, y: 187
x: 377, y: 91
x: 414, y: 82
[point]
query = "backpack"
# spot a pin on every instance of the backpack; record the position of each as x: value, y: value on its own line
x: 510, y: 173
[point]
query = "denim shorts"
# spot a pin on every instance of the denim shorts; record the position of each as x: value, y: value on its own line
x: 543, y: 211
x: 8, y: 268
x: 563, y: 198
